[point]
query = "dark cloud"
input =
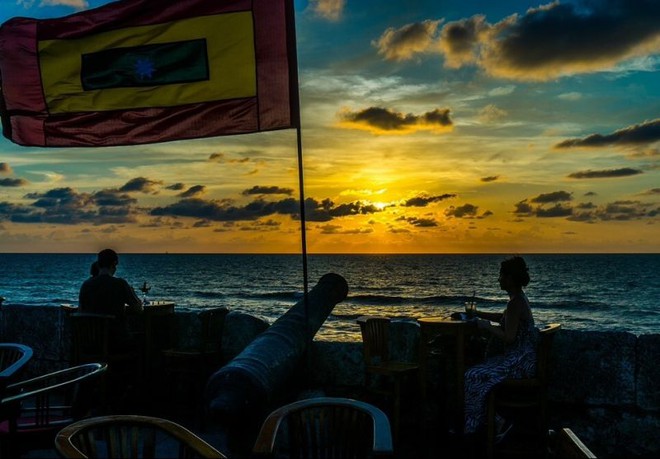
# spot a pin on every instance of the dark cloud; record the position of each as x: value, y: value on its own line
x: 652, y: 191
x: 557, y: 210
x: 555, y: 196
x: 217, y: 157
x: 588, y: 212
x: 423, y: 200
x: 617, y: 211
x: 607, y: 173
x: 544, y: 43
x: 523, y: 208
x: 267, y: 190
x: 383, y: 120
x: 464, y: 211
x: 67, y: 206
x: 141, y: 184
x: 13, y: 182
x: 490, y: 178
x: 176, y: 186
x: 224, y: 211
x: 5, y: 168
x: 419, y: 222
x: 647, y: 132
x: 193, y: 191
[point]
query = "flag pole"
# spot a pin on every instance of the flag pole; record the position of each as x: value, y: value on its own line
x: 295, y: 111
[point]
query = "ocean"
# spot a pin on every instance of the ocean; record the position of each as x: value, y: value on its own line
x: 613, y: 292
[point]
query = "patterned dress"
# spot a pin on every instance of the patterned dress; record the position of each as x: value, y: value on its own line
x: 518, y: 360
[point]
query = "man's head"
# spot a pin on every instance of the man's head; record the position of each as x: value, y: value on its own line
x: 107, y: 258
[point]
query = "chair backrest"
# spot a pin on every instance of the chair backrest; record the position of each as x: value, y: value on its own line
x: 325, y: 427
x: 13, y: 357
x: 565, y: 444
x: 131, y: 436
x: 213, y: 322
x: 53, y: 399
x: 90, y: 337
x: 375, y: 339
x: 546, y: 338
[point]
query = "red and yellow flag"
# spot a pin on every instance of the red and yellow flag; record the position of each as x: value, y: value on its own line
x: 143, y: 71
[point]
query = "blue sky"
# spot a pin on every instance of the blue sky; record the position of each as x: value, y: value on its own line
x: 427, y: 126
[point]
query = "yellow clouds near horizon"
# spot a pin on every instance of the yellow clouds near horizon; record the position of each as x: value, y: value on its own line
x: 378, y: 120
x: 545, y: 43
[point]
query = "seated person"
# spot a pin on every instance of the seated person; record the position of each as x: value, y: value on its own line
x: 106, y: 294
x: 517, y: 336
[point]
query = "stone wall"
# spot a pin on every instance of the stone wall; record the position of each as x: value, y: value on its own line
x: 603, y: 385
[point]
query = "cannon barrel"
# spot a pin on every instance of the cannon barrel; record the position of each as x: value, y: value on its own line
x: 251, y: 381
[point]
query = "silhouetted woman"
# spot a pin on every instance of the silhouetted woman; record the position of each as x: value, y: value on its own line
x: 516, y: 332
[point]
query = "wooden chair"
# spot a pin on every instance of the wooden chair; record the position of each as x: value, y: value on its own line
x: 325, y: 427
x: 528, y: 395
x: 41, y: 406
x: 131, y: 436
x: 376, y: 351
x: 191, y: 366
x: 90, y: 342
x: 566, y: 445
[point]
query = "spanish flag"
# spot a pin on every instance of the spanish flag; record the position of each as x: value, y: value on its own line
x: 143, y: 71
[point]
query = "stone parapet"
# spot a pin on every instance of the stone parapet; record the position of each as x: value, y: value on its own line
x: 603, y: 385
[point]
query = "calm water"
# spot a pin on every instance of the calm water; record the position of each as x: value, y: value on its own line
x: 596, y: 292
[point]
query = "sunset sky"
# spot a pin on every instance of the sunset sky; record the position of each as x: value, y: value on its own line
x: 428, y: 126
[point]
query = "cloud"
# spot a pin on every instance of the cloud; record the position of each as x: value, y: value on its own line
x: 193, y: 191
x: 423, y: 200
x: 385, y: 121
x: 68, y: 206
x: 570, y: 96
x: 588, y: 212
x: 13, y: 182
x: 643, y: 133
x: 225, y: 211
x: 558, y: 210
x: 555, y: 196
x: 328, y: 9
x: 607, y: 173
x: 176, y: 186
x: 490, y: 178
x: 617, y: 211
x: 491, y: 114
x: 336, y: 229
x: 403, y: 43
x: 651, y: 192
x: 76, y: 4
x: 419, y: 222
x: 547, y: 42
x: 5, y: 168
x: 267, y: 190
x: 141, y: 184
x: 464, y: 211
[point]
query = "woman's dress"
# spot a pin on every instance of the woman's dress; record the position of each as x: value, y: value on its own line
x: 517, y: 361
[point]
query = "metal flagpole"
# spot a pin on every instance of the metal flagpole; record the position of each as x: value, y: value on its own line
x: 295, y: 109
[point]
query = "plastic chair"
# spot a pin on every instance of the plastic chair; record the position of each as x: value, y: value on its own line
x: 37, y: 408
x: 566, y: 445
x: 376, y: 350
x: 524, y: 396
x: 13, y: 358
x: 325, y: 427
x: 131, y: 436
